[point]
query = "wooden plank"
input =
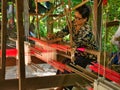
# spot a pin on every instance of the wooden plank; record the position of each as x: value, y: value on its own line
x: 20, y: 35
x: 44, y: 82
x: 3, y: 39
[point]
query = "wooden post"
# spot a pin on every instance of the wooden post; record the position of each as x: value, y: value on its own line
x: 26, y: 17
x: 20, y: 37
x: 97, y: 21
x: 3, y: 39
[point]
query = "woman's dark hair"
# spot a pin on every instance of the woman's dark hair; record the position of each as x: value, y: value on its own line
x: 84, y: 10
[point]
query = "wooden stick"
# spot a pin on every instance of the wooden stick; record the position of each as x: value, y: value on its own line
x: 87, y: 72
x: 81, y: 73
x: 42, y: 0
x: 58, y: 17
x: 37, y: 66
x: 12, y: 39
x: 84, y: 2
x: 94, y: 52
x: 51, y: 10
x: 64, y: 55
x: 55, y: 40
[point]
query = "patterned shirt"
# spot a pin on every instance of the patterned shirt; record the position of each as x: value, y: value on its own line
x: 83, y: 38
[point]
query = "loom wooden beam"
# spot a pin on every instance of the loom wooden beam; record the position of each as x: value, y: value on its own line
x: 43, y: 82
x: 20, y: 34
x: 3, y: 39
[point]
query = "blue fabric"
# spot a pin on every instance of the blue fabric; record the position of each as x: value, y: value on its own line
x: 32, y: 34
x: 115, y: 60
x: 48, y: 4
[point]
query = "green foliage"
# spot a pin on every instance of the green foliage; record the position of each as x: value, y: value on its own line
x: 111, y: 12
x: 113, y: 9
x: 43, y: 29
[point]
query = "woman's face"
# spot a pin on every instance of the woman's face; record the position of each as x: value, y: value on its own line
x: 79, y: 20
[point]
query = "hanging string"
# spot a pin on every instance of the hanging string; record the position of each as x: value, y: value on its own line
x: 105, y: 41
